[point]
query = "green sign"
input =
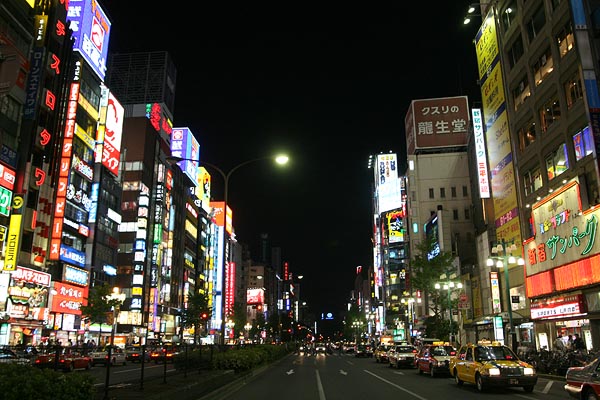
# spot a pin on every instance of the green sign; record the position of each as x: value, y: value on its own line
x: 5, y: 201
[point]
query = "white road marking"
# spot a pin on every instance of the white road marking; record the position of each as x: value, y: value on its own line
x: 396, y: 386
x: 320, y: 387
x: 547, y: 387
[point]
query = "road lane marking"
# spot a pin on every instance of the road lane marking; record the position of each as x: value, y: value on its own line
x: 320, y: 386
x: 547, y: 387
x: 398, y: 372
x: 396, y: 386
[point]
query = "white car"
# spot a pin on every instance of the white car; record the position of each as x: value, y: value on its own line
x: 117, y: 356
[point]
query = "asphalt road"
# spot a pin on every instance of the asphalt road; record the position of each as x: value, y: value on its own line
x: 345, y: 377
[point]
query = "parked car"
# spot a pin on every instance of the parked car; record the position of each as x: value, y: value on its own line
x: 117, y: 356
x: 488, y: 364
x: 402, y: 355
x: 68, y: 360
x: 584, y: 382
x: 380, y: 353
x: 434, y: 359
x: 134, y: 354
x: 7, y: 356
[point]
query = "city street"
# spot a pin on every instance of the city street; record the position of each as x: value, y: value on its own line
x: 345, y: 377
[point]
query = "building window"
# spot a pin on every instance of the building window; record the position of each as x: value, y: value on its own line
x: 455, y: 215
x: 573, y: 89
x: 443, y: 193
x: 431, y: 193
x: 527, y: 135
x: 453, y: 191
x: 467, y: 214
x: 557, y: 162
x: 521, y: 92
x: 565, y: 39
x: 536, y: 23
x: 532, y: 180
x: 583, y: 143
x: 465, y: 191
x: 413, y: 195
x: 543, y: 66
x: 549, y: 113
x: 515, y: 52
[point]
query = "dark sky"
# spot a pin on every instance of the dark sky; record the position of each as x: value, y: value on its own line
x: 329, y: 85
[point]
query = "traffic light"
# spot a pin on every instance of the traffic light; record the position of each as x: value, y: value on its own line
x: 204, y: 316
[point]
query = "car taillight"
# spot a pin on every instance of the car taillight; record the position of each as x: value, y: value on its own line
x: 452, y: 353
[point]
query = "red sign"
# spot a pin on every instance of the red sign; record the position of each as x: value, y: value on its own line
x: 69, y: 298
x: 7, y: 177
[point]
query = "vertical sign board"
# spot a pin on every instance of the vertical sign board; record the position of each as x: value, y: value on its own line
x: 480, y: 154
x: 498, y: 140
x: 65, y: 166
x: 495, y: 287
x: 499, y: 329
x: 14, y: 233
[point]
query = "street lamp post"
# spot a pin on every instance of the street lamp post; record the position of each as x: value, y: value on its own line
x: 247, y: 328
x: 449, y: 286
x: 115, y: 299
x: 504, y: 261
x: 280, y: 159
x: 358, y: 327
x: 409, y: 302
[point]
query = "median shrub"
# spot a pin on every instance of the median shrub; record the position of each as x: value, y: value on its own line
x: 20, y: 382
x: 245, y: 358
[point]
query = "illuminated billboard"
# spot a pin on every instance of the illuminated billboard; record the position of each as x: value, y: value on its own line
x: 498, y: 138
x: 91, y: 32
x: 110, y: 132
x: 480, y: 154
x: 432, y: 123
x: 184, y: 145
x: 255, y: 296
x: 387, y: 183
x: 203, y: 188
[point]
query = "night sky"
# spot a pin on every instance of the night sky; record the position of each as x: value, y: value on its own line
x: 329, y: 85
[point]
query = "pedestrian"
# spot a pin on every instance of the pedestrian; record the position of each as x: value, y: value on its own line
x: 570, y: 343
x: 578, y: 343
x: 559, y: 343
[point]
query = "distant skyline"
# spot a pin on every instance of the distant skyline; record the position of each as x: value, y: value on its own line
x: 328, y: 86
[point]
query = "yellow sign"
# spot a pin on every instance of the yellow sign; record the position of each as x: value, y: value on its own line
x: 12, y: 243
x: 17, y: 202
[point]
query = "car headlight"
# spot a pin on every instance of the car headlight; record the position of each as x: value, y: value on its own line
x: 494, y: 371
x: 528, y: 371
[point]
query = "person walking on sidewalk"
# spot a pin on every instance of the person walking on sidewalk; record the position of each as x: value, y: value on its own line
x: 578, y: 343
x: 559, y: 343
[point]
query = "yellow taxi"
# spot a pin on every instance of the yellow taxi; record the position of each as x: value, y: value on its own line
x: 487, y: 364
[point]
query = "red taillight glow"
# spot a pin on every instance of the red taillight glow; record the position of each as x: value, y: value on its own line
x: 452, y: 353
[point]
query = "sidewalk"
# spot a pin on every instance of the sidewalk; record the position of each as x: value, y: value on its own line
x: 177, y: 386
